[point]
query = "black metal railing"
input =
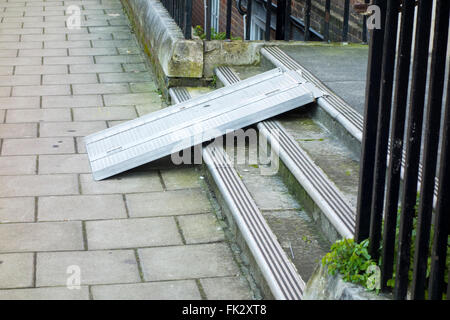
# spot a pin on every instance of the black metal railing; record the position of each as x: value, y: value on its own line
x: 181, y: 11
x: 402, y: 126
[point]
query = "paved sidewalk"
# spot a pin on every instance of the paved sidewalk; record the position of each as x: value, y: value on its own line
x: 147, y: 234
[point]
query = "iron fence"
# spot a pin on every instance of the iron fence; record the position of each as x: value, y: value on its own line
x: 407, y: 223
x: 181, y: 11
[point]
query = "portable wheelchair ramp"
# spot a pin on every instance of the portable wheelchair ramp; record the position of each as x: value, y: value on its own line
x: 189, y: 123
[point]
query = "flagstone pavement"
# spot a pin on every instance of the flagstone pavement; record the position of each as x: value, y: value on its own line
x: 150, y: 233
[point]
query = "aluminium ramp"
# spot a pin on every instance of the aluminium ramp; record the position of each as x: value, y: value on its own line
x: 189, y: 123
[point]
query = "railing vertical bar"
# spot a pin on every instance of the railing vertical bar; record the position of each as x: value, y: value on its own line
x: 248, y: 20
x: 430, y: 149
x: 384, y: 115
x: 442, y: 218
x: 397, y: 135
x: 326, y: 28
x: 413, y: 146
x: 370, y: 129
x: 287, y: 20
x: 208, y: 20
x: 307, y: 20
x: 188, y: 20
x: 268, y: 19
x: 228, y: 26
x: 346, y: 19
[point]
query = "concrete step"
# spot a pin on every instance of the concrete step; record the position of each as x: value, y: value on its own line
x: 319, y: 170
x: 273, y: 263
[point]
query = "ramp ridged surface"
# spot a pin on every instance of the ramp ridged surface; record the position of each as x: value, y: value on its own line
x: 183, y: 125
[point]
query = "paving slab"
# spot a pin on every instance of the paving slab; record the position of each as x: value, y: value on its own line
x: 17, y: 209
x: 55, y: 293
x: 96, y: 267
x: 204, y: 260
x: 104, y: 113
x: 37, y: 115
x: 23, y: 130
x: 16, y: 270
x: 164, y: 290
x: 72, y: 101
x: 63, y: 208
x: 125, y: 183
x: 17, y: 165
x: 43, y: 236
x: 34, y: 146
x: 181, y: 178
x: 132, y: 233
x: 167, y: 203
x: 38, y: 185
x: 70, y: 129
x: 226, y: 288
x: 201, y: 228
x: 65, y: 163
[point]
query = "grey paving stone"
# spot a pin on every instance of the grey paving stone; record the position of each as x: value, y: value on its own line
x: 72, y: 101
x: 17, y: 209
x: 125, y: 77
x: 204, y: 260
x: 20, y: 61
x: 67, y: 44
x: 42, y: 53
x: 37, y: 115
x: 22, y: 130
x: 19, y: 102
x: 113, y: 43
x: 181, y: 202
x: 49, y: 24
x: 42, y: 236
x: 101, y: 88
x: 164, y: 290
x: 51, y: 69
x: 109, y: 29
x: 135, y: 67
x: 227, y: 288
x: 104, y: 113
x: 28, y: 31
x: 181, y: 178
x: 143, y: 87
x: 127, y: 183
x: 8, y: 52
x: 201, y: 228
x: 23, y: 19
x: 73, y: 129
x: 69, y: 78
x: 92, y: 51
x: 81, y: 207
x: 37, y: 146
x: 64, y: 163
x: 96, y: 68
x: 129, y: 50
x: 119, y: 59
x: 131, y: 99
x: 132, y: 233
x: 38, y: 185
x: 97, y: 267
x: 90, y: 36
x: 9, y: 37
x: 53, y: 30
x: 43, y: 37
x: 68, y: 60
x: 20, y: 45
x: 81, y: 146
x: 47, y: 90
x: 16, y: 270
x: 17, y: 165
x: 55, y: 293
x: 5, y: 91
x: 6, y: 70
x: 20, y: 80
x: 149, y: 107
